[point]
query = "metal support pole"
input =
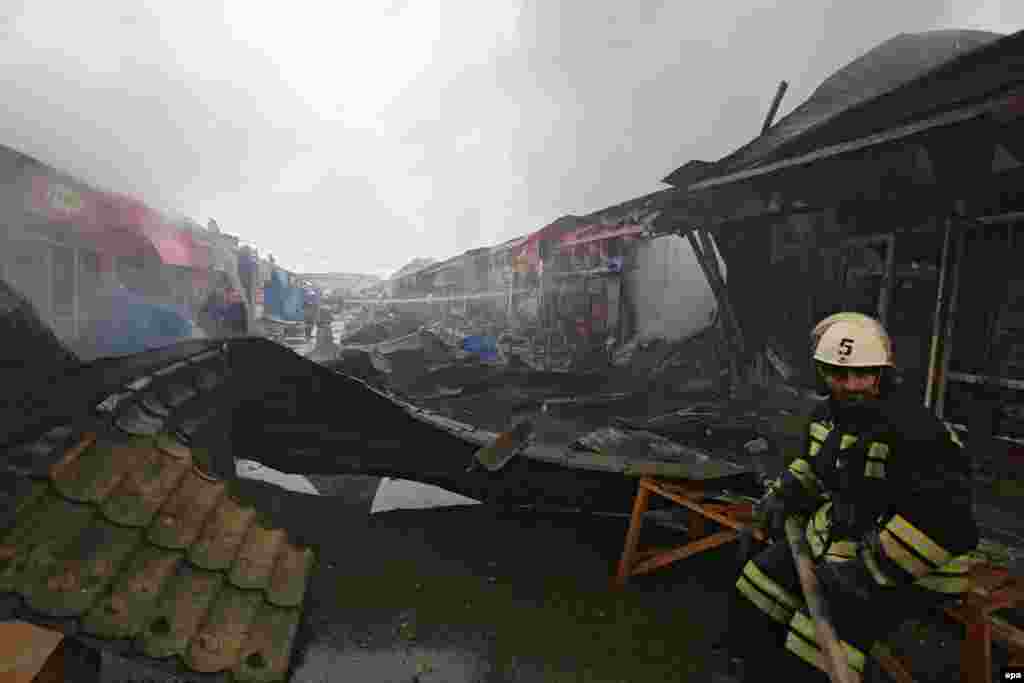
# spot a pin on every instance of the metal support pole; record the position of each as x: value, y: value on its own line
x: 947, y: 335
x: 940, y: 307
x: 888, y: 283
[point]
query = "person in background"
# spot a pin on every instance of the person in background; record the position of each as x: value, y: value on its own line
x: 211, y: 315
x: 310, y: 315
x: 235, y: 317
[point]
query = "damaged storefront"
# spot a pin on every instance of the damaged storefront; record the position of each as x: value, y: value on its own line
x: 585, y: 300
x: 67, y: 246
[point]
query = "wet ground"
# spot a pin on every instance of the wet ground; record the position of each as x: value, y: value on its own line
x: 482, y: 594
x: 478, y: 594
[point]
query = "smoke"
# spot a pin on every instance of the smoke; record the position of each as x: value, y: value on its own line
x: 380, y: 132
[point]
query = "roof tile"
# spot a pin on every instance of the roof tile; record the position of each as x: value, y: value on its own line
x: 85, y: 567
x: 217, y: 645
x: 139, y: 384
x: 208, y: 378
x: 172, y: 446
x: 18, y: 494
x: 52, y: 525
x: 71, y: 455
x: 186, y: 510
x: 152, y: 404
x: 264, y: 657
x: 126, y: 609
x: 96, y: 472
x: 37, y: 456
x: 171, y: 369
x: 290, y: 576
x: 132, y: 419
x: 179, y: 611
x: 256, y: 558
x: 176, y: 393
x: 111, y: 403
x: 222, y: 536
x: 145, y: 488
x: 124, y: 532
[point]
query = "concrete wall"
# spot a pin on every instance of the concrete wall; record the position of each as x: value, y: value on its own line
x: 666, y: 291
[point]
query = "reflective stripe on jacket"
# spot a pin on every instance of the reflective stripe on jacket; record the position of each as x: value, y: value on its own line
x: 909, y: 483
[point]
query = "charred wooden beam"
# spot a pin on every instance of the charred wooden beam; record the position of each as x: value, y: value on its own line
x: 711, y: 255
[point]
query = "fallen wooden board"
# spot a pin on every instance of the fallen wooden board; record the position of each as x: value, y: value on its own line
x: 24, y: 649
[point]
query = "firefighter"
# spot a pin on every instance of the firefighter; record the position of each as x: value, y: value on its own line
x: 885, y: 489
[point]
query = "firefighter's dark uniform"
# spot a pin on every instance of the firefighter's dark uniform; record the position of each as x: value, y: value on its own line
x: 886, y: 489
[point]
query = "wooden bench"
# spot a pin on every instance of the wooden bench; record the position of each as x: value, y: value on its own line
x: 992, y: 588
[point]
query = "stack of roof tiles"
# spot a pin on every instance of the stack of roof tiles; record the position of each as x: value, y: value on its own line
x: 111, y: 529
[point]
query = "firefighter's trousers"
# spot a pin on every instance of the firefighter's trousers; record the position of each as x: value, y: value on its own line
x: 770, y: 627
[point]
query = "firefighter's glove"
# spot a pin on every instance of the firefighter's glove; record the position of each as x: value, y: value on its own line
x: 845, y: 579
x: 770, y: 516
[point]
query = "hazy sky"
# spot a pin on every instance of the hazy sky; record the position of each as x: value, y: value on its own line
x: 357, y: 135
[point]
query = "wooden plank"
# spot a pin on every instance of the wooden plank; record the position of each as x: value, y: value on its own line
x: 712, y: 256
x: 633, y: 535
x: 25, y: 649
x: 696, y: 525
x: 722, y: 519
x: 892, y: 666
x: 682, y: 552
x: 1009, y: 635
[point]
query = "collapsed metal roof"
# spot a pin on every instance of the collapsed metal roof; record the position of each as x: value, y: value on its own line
x: 904, y: 79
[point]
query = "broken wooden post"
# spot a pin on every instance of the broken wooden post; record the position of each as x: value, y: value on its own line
x: 717, y: 287
x: 712, y: 256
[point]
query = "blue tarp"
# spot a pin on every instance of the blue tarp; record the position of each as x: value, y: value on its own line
x: 484, y: 346
x: 282, y: 301
x: 123, y: 322
x: 294, y: 308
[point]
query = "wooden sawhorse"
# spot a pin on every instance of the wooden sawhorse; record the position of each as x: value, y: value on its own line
x: 690, y: 494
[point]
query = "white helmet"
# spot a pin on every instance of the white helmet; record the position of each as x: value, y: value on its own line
x: 850, y: 316
x: 852, y: 340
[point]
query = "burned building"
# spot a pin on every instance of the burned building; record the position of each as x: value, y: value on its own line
x: 893, y: 191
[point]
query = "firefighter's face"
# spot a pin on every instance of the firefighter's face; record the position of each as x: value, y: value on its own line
x: 851, y: 385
